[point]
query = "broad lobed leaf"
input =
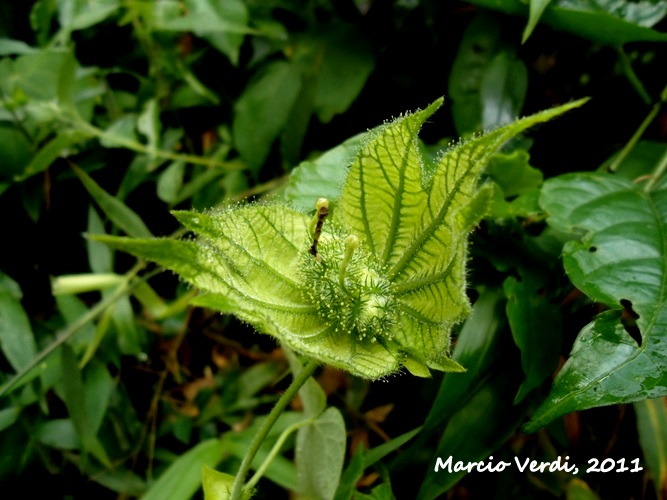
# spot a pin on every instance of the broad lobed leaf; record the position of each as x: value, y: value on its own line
x: 393, y: 297
x: 621, y: 262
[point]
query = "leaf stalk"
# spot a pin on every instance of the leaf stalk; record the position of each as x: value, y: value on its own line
x: 271, y: 419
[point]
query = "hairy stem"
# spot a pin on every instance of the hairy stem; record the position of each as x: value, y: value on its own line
x: 275, y: 450
x: 277, y: 410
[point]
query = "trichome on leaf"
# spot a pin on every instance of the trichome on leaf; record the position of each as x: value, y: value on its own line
x: 386, y: 282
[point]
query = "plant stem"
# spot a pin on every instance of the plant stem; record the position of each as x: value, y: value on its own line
x: 167, y: 155
x: 66, y: 334
x: 275, y: 450
x: 277, y: 410
x: 632, y: 77
x: 657, y: 173
x: 639, y: 132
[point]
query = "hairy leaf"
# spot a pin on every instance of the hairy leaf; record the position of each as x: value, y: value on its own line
x: 378, y: 287
x: 620, y: 261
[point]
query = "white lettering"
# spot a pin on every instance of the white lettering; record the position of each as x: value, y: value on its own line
x: 446, y: 465
x: 518, y: 464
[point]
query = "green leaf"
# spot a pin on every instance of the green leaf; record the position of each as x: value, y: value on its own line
x: 476, y: 349
x: 346, y: 63
x: 119, y: 213
x: 183, y: 477
x: 262, y: 110
x: 513, y: 173
x: 51, y: 151
x: 640, y: 161
x: 97, y: 390
x: 234, y: 12
x: 148, y: 123
x: 170, y: 182
x: 120, y: 132
x: 16, y: 338
x: 469, y: 438
x: 8, y: 416
x: 536, y: 9
x: 351, y: 475
x: 9, y: 47
x: 312, y: 396
x: 82, y: 14
x: 619, y: 262
x: 323, y: 177
x: 100, y: 259
x: 75, y: 400
x: 16, y: 152
x: 608, y: 22
x: 37, y: 74
x: 201, y: 17
x: 536, y: 327
x: 379, y: 452
x: 503, y: 89
x: 217, y: 485
x: 480, y: 44
x: 385, y: 282
x: 129, y: 336
x: 652, y: 428
x: 58, y: 433
x: 577, y: 489
x: 417, y: 228
x: 320, y: 452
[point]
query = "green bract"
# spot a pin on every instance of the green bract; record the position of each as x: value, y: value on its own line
x: 385, y: 283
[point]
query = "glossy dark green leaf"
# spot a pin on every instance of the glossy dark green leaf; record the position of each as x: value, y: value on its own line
x: 621, y: 262
x: 536, y: 327
x: 536, y: 9
x: 480, y: 44
x: 503, y: 89
x: 640, y: 161
x: 590, y: 19
x: 320, y: 452
x: 652, y: 428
